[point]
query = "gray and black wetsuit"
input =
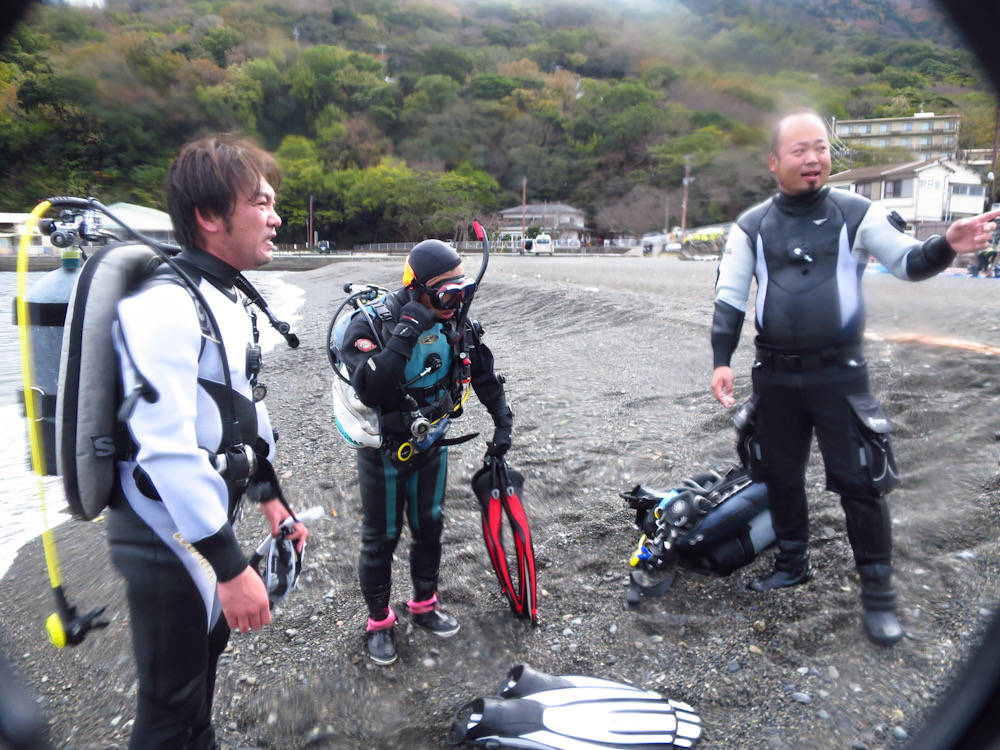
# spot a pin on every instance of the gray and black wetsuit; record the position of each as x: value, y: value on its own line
x: 169, y: 526
x: 411, y: 491
x: 808, y: 255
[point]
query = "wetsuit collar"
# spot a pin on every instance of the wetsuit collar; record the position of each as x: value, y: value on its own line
x: 801, y: 204
x: 220, y: 273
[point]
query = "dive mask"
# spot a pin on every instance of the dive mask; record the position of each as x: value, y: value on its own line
x: 283, y: 565
x: 448, y: 294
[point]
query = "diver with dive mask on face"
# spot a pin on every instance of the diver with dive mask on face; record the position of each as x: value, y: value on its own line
x: 412, y: 355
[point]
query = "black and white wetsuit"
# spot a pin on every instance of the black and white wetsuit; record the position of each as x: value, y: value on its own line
x: 395, y: 493
x: 169, y: 527
x: 808, y: 255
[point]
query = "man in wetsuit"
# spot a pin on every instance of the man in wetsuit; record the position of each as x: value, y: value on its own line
x: 808, y: 247
x: 416, y: 364
x: 196, y: 442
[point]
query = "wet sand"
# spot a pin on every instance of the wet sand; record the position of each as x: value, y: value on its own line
x: 608, y: 367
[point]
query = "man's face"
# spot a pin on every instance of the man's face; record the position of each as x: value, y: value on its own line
x: 248, y: 240
x: 425, y: 299
x: 802, y: 160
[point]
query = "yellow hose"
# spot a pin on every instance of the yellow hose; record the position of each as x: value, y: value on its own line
x: 27, y: 370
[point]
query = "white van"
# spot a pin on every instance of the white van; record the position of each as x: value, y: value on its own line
x: 541, y: 245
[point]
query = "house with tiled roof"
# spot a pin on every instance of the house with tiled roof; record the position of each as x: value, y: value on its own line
x: 932, y: 190
x: 566, y: 224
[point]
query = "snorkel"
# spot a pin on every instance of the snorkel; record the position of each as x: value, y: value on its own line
x: 464, y: 313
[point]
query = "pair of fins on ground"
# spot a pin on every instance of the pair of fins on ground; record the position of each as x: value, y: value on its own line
x: 538, y: 711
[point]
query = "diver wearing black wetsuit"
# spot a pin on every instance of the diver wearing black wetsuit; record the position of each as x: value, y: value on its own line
x: 426, y: 367
x: 808, y: 248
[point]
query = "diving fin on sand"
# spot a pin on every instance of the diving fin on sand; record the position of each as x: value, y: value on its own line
x: 499, y: 489
x: 538, y: 711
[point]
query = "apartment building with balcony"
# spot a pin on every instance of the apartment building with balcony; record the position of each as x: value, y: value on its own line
x: 925, y: 135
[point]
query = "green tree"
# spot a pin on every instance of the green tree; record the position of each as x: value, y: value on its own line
x: 447, y: 62
x: 219, y: 41
x: 491, y: 86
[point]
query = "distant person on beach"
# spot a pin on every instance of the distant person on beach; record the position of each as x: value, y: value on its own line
x: 170, y: 526
x: 422, y: 373
x: 807, y: 247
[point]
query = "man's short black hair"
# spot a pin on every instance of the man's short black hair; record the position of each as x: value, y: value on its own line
x: 211, y: 174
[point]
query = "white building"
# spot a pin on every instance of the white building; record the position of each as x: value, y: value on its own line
x: 920, y: 191
x: 925, y: 135
x: 563, y: 222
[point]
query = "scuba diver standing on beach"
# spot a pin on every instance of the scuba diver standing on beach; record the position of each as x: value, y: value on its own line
x: 200, y: 440
x: 413, y: 359
x: 808, y: 247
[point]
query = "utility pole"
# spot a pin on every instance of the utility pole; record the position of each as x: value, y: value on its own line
x: 524, y: 208
x: 684, y: 207
x: 309, y: 239
x: 381, y: 54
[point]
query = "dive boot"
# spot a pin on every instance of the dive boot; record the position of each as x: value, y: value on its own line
x: 380, y: 640
x: 882, y: 627
x: 426, y: 615
x: 878, y: 599
x: 791, y: 567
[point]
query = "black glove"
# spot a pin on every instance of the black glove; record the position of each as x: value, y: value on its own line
x: 500, y: 444
x: 414, y: 319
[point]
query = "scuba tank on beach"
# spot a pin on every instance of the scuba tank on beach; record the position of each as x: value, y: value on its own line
x: 717, y: 521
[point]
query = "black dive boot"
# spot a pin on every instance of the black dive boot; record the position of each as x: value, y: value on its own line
x: 426, y: 615
x: 878, y: 599
x: 380, y: 638
x: 791, y: 567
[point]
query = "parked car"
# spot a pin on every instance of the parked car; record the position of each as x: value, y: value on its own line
x: 541, y: 245
x: 326, y: 246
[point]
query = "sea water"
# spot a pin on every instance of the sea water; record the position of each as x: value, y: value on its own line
x: 24, y: 495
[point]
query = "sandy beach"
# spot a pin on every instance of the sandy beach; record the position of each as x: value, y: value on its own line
x: 608, y: 365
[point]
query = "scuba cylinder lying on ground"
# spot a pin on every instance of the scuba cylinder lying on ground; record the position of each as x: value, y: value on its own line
x: 714, y: 521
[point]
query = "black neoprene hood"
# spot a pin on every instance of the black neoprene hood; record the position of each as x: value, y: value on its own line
x: 428, y: 259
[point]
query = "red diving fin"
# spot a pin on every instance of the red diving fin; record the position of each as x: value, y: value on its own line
x: 512, y: 483
x: 498, y: 489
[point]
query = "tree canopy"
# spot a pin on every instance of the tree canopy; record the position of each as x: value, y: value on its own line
x: 402, y: 120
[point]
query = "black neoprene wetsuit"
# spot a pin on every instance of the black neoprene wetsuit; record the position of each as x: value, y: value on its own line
x: 394, y: 490
x: 808, y: 255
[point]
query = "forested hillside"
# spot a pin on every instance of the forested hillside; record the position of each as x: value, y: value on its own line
x: 406, y: 119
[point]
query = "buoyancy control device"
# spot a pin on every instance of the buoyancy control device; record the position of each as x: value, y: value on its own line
x: 90, y: 407
x: 716, y: 521
x: 358, y: 424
